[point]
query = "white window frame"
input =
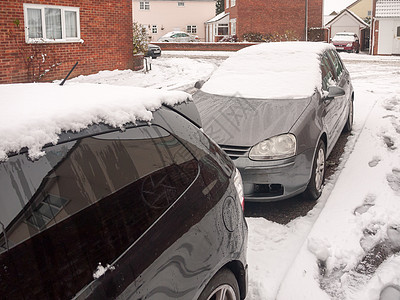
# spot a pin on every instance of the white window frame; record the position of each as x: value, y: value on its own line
x: 144, y: 5
x: 181, y: 4
x: 154, y: 29
x: 233, y: 3
x: 222, y: 25
x: 226, y: 3
x: 44, y: 39
x: 191, y: 29
x: 233, y: 26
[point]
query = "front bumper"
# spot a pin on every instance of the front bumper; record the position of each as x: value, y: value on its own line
x: 343, y: 48
x: 265, y: 181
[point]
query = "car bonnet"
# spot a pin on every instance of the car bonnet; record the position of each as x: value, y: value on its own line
x: 246, y: 122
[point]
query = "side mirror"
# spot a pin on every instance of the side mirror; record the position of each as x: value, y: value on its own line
x: 199, y: 84
x: 335, y: 91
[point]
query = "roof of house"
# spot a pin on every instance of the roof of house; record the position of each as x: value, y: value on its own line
x: 218, y: 17
x: 352, y: 4
x: 344, y: 11
x: 387, y: 9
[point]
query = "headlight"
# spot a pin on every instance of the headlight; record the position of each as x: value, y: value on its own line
x: 277, y: 147
x: 349, y: 45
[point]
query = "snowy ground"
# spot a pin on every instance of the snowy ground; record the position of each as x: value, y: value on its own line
x: 348, y: 246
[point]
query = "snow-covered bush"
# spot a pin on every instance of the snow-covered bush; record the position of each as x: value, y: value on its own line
x: 140, y: 39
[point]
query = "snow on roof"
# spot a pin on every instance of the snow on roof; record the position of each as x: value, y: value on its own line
x: 218, y: 17
x: 387, y: 9
x: 33, y: 115
x: 270, y: 70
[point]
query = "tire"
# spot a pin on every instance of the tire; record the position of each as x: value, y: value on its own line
x: 314, y: 187
x: 349, y: 123
x: 222, y: 286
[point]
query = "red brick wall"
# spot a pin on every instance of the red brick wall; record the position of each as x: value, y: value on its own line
x: 106, y: 29
x: 203, y: 46
x: 277, y: 16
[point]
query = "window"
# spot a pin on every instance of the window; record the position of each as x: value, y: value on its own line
x: 191, y: 29
x: 90, y: 198
x: 336, y: 62
x: 226, y: 3
x: 233, y: 26
x: 233, y: 3
x: 154, y: 29
x: 223, y: 29
x: 47, y: 23
x: 328, y: 78
x: 369, y: 13
x: 181, y: 4
x: 144, y: 5
x: 398, y: 31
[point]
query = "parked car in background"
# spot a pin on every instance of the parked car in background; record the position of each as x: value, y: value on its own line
x: 178, y: 36
x: 87, y: 210
x: 346, y: 41
x: 277, y: 109
x: 153, y: 51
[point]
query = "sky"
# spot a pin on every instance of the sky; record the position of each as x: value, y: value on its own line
x: 336, y: 5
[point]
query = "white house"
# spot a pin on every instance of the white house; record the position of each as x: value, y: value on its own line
x: 386, y: 28
x: 347, y: 21
x: 159, y: 17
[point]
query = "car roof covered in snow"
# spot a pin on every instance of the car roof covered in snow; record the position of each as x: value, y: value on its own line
x: 33, y: 115
x: 284, y: 70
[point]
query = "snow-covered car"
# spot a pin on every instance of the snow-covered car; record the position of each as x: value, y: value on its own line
x: 114, y: 192
x: 346, y: 41
x: 178, y: 36
x: 277, y: 109
x: 153, y: 51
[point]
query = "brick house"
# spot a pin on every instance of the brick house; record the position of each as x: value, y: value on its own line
x: 385, y: 27
x: 40, y: 35
x: 273, y: 17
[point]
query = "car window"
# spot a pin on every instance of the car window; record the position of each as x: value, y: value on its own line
x: 336, y: 62
x: 328, y: 78
x: 78, y: 174
x: 79, y: 196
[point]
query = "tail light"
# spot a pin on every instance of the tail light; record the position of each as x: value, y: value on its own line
x: 239, y: 187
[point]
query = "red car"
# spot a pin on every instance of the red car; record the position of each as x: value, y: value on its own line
x: 346, y: 41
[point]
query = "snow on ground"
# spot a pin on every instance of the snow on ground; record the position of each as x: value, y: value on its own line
x: 166, y: 73
x: 347, y: 247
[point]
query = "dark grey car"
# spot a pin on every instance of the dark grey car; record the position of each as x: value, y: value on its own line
x: 280, y: 145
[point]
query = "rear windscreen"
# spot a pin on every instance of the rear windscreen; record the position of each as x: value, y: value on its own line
x: 92, y: 197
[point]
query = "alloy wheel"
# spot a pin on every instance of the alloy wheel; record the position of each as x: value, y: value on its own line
x: 223, y: 292
x: 320, y: 169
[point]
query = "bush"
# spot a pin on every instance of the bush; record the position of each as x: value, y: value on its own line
x: 140, y: 39
x: 270, y: 37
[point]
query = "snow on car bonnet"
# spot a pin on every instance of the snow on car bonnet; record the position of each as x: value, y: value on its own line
x: 33, y: 115
x: 270, y: 71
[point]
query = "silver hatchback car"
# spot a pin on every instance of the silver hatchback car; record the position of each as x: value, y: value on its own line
x: 277, y: 109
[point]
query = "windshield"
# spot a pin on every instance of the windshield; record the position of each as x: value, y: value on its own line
x: 343, y: 38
